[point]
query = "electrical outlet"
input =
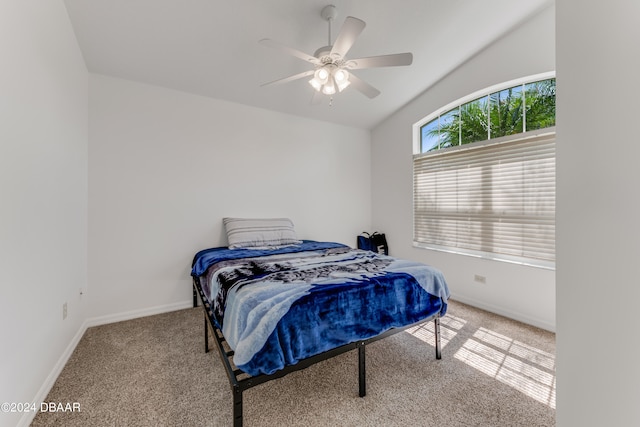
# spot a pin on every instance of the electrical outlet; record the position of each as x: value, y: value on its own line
x: 480, y: 279
x: 64, y: 311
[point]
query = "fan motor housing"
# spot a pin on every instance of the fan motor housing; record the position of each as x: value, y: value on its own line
x: 323, y: 51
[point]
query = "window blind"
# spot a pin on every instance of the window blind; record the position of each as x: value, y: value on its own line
x: 496, y: 198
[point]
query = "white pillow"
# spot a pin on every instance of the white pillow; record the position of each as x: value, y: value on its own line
x: 260, y: 232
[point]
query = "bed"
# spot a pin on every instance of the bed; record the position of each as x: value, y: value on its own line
x: 275, y: 309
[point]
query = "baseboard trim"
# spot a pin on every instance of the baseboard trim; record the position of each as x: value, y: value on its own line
x: 27, y: 417
x: 506, y: 313
x: 134, y: 314
x: 41, y: 395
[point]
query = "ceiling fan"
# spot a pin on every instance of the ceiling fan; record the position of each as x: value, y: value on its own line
x: 332, y: 70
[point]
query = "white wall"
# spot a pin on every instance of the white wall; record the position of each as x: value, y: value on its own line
x: 523, y: 293
x: 598, y: 237
x: 165, y: 167
x: 43, y: 196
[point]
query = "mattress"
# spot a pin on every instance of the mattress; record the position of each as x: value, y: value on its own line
x: 276, y: 307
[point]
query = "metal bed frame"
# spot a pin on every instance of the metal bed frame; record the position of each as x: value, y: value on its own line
x: 241, y: 381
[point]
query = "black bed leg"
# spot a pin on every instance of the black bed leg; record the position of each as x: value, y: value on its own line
x: 206, y: 334
x: 195, y: 296
x: 362, y: 377
x: 436, y: 323
x: 237, y: 407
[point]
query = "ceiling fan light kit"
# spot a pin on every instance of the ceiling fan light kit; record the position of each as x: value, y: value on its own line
x: 331, y: 73
x: 328, y: 78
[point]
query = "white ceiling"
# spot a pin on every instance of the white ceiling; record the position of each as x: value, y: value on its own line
x: 211, y: 48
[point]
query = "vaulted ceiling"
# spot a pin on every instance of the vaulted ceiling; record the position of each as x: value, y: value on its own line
x: 211, y: 48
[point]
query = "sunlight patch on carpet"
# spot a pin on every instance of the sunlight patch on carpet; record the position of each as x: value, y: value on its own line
x: 519, y: 365
x: 449, y: 327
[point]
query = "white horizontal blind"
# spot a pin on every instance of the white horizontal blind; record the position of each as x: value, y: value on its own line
x: 496, y: 198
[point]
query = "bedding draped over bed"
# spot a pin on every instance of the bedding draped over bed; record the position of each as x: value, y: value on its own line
x: 277, y: 307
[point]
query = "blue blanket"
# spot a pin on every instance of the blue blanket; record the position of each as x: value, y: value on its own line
x: 277, y: 307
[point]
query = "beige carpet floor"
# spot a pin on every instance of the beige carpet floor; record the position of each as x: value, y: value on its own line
x: 153, y: 371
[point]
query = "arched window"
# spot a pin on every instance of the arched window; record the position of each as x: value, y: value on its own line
x: 484, y: 174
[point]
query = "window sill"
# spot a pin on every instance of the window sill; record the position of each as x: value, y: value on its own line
x: 528, y: 262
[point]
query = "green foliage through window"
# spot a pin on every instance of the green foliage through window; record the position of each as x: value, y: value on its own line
x: 509, y: 111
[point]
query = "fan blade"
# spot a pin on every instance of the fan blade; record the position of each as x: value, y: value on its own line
x: 349, y: 32
x: 316, y: 98
x: 291, y: 51
x: 290, y: 78
x: 394, y: 60
x: 363, y: 86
